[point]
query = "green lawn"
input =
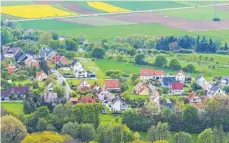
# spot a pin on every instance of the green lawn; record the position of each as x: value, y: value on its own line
x: 106, y: 118
x: 204, y: 13
x: 97, y: 33
x: 14, y: 107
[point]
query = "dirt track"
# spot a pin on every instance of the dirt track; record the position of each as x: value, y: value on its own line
x: 187, y: 25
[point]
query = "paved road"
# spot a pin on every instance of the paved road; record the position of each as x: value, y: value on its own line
x: 101, y: 14
x: 60, y: 79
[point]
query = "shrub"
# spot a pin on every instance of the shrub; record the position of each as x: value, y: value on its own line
x: 216, y: 19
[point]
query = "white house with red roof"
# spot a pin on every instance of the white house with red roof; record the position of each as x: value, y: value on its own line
x: 193, y: 98
x: 112, y: 84
x: 83, y: 85
x: 40, y: 76
x: 202, y: 82
x: 146, y: 74
x: 177, y: 88
x: 180, y: 76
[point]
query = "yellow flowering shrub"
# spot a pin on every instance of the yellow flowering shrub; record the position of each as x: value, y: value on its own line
x: 106, y: 7
x: 34, y: 11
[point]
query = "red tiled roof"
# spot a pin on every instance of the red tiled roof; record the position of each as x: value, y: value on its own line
x: 112, y: 83
x: 39, y: 73
x: 177, y: 86
x: 74, y: 99
x: 181, y: 72
x: 151, y: 72
x: 85, y: 88
x: 88, y: 99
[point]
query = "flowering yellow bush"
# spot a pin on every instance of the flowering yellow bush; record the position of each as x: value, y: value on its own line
x: 34, y: 11
x: 106, y: 7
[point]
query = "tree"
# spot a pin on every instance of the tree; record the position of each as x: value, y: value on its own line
x: 183, y: 137
x: 226, y: 89
x: 105, y: 133
x: 162, y: 141
x: 46, y: 136
x: 72, y: 129
x: 174, y: 64
x: 6, y: 36
x: 87, y: 132
x: 189, y: 68
x: 12, y: 129
x: 45, y: 37
x: 151, y: 134
x: 161, y: 61
x: 218, y: 135
x: 71, y: 45
x: 206, y: 136
x: 98, y: 53
x: 190, y: 119
x: 162, y: 131
x: 140, y: 59
x: 55, y: 36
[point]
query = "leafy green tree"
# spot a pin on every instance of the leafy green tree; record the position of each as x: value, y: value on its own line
x: 162, y: 131
x: 12, y: 129
x: 41, y: 124
x: 189, y: 68
x: 151, y: 133
x: 72, y: 129
x: 161, y: 141
x: 87, y: 132
x: 218, y: 135
x: 140, y: 59
x: 183, y: 137
x: 105, y: 133
x: 190, y: 119
x: 6, y: 36
x: 98, y: 53
x: 174, y: 64
x: 71, y: 45
x: 55, y: 36
x: 161, y: 61
x: 206, y: 136
x: 45, y: 37
x: 54, y: 44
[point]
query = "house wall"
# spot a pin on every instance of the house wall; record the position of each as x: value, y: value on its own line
x: 116, y: 107
x: 180, y: 77
x: 152, y: 77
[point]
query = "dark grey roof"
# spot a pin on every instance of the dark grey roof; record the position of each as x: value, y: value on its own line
x: 118, y: 97
x: 167, y: 81
x: 18, y: 54
x: 19, y: 90
x: 44, y: 52
x: 214, y: 88
x: 22, y: 58
x: 74, y: 62
x: 225, y: 78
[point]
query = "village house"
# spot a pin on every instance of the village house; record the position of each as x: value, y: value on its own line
x: 181, y: 76
x: 112, y: 85
x: 83, y: 85
x: 177, y: 88
x: 146, y: 74
x: 155, y: 97
x: 83, y: 99
x: 63, y: 60
x: 53, y: 57
x: 142, y: 89
x: 18, y: 92
x: 202, y: 82
x: 28, y: 60
x: 96, y: 87
x: 167, y: 81
x: 117, y: 104
x: 80, y: 72
x: 193, y: 98
x: 45, y: 53
x: 20, y: 57
x: 105, y: 96
x: 41, y: 76
x: 50, y: 97
x: 34, y: 63
x: 9, y: 52
x: 225, y: 80
x: 215, y: 90
x: 11, y: 68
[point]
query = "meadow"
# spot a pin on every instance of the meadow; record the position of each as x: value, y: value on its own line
x: 14, y: 107
x: 204, y: 13
x: 110, y: 32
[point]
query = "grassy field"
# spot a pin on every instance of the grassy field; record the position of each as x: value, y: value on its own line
x: 97, y: 33
x: 204, y: 13
x: 145, y: 5
x: 106, y: 118
x: 14, y: 107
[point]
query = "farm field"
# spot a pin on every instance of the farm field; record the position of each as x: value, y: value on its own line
x: 204, y: 13
x: 96, y: 33
x: 14, y: 107
x: 106, y: 7
x: 34, y: 11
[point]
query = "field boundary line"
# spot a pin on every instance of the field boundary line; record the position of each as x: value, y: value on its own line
x: 129, y: 12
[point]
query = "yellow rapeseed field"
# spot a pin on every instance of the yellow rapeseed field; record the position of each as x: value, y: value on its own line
x: 106, y: 7
x: 34, y: 11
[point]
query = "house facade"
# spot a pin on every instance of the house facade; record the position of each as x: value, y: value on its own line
x: 83, y: 85
x: 202, y: 82
x: 181, y: 76
x: 193, y: 98
x: 41, y: 76
x: 118, y: 104
x: 177, y: 88
x: 215, y: 90
x: 105, y: 96
x: 142, y: 89
x: 146, y: 74
x: 225, y: 80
